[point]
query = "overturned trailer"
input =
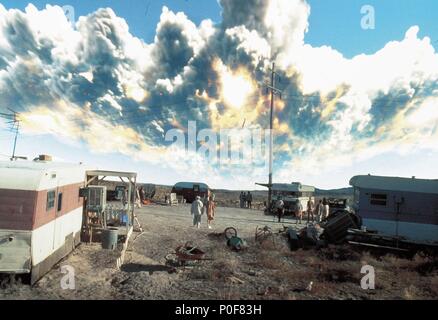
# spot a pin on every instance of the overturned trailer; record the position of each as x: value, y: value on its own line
x: 40, y: 215
x: 405, y: 209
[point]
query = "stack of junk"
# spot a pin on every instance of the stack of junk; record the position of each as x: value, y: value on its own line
x: 333, y: 230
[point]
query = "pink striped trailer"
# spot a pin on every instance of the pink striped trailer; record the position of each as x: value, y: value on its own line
x: 40, y: 215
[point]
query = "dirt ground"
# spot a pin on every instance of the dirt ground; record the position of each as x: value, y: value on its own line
x: 263, y: 271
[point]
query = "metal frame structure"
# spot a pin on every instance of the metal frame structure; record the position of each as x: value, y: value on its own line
x: 95, y: 177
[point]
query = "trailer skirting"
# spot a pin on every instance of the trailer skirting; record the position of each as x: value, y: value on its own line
x: 414, y: 232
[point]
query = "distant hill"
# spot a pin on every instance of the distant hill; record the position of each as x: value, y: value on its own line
x: 342, y: 191
x: 318, y: 192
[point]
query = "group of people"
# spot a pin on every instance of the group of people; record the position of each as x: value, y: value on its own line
x: 318, y: 212
x: 246, y: 200
x: 200, y: 207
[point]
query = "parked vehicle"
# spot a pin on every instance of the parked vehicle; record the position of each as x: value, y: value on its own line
x: 291, y: 194
x: 190, y: 190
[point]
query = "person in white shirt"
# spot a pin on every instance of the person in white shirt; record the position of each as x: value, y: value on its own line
x: 318, y: 211
x: 325, y: 209
x: 197, y: 212
x: 299, y: 212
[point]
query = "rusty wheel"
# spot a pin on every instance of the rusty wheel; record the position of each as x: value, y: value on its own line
x: 230, y: 233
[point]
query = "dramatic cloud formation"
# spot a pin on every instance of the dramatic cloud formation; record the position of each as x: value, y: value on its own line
x: 96, y: 83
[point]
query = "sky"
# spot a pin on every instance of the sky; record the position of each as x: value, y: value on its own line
x: 107, y: 89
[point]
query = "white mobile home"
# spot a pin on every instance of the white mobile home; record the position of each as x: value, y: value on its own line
x: 40, y: 214
x: 398, y: 207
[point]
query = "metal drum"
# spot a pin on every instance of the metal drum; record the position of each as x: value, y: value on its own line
x: 109, y: 238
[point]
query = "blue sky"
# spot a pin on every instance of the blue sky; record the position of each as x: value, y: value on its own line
x: 335, y: 24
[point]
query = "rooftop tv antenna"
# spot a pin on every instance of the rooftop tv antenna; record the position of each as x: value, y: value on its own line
x: 13, y: 119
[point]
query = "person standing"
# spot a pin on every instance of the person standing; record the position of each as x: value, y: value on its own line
x: 211, y: 210
x: 310, y: 208
x: 125, y: 197
x: 138, y: 202
x: 196, y: 211
x: 299, y: 212
x: 318, y: 211
x: 280, y: 209
x: 325, y: 209
x: 205, y: 202
x: 142, y: 195
x: 249, y: 199
x: 241, y: 200
x: 245, y: 200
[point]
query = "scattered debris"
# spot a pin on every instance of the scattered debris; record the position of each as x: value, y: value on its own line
x: 233, y: 241
x: 186, y: 253
x: 310, y: 286
x: 216, y: 235
x: 308, y: 236
x: 332, y: 230
x: 235, y: 280
x: 262, y: 234
x: 294, y: 240
x: 237, y: 243
x: 270, y: 291
x: 312, y: 235
x: 230, y: 233
x: 373, y: 240
x: 337, y: 225
x: 252, y: 273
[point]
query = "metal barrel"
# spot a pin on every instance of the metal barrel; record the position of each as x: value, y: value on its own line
x: 109, y: 238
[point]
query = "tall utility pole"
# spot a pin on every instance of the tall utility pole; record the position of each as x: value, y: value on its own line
x: 14, y: 121
x: 274, y: 91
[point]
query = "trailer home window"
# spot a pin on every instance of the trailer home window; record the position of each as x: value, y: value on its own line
x: 59, y: 202
x: 378, y: 199
x: 50, y: 200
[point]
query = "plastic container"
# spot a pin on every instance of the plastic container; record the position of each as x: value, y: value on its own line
x: 110, y: 238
